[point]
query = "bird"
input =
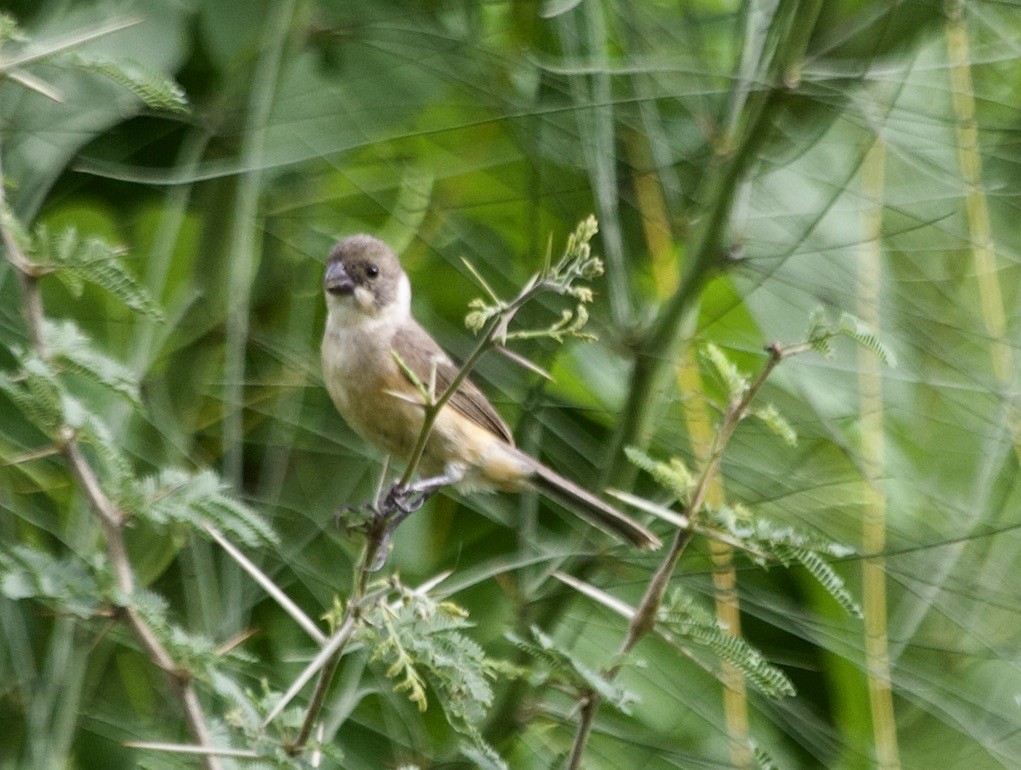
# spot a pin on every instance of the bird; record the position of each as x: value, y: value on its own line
x: 370, y: 343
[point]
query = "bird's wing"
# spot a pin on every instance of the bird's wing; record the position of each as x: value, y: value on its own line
x: 418, y: 350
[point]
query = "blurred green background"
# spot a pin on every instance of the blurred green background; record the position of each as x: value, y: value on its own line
x: 748, y: 162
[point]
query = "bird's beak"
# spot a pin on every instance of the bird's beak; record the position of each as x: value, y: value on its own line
x: 337, y: 281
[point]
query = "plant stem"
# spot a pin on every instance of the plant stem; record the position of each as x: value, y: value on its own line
x: 870, y: 383
x: 106, y: 512
x: 644, y: 619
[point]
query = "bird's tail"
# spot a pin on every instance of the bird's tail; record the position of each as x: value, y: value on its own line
x: 591, y: 508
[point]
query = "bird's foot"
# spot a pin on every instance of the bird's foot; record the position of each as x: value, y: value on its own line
x: 401, y: 501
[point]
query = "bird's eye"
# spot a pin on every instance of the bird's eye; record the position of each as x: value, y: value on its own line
x: 372, y: 271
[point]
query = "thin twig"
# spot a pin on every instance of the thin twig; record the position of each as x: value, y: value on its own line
x: 267, y: 584
x: 495, y: 330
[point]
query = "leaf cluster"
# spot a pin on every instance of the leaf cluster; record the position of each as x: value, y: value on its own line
x: 557, y: 666
x: 567, y: 276
x: 685, y: 622
x: 77, y: 261
x: 153, y: 89
x: 822, y: 331
x: 420, y: 641
x: 765, y: 540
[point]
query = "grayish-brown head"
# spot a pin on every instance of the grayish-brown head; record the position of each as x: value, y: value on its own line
x: 364, y: 275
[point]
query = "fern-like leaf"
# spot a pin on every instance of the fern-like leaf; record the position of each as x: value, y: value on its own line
x: 37, y: 394
x: 855, y: 329
x: 830, y: 581
x: 68, y: 585
x: 176, y: 496
x: 732, y: 379
x: 91, y: 260
x: 155, y: 90
x: 682, y: 617
x: 788, y: 545
x: 118, y: 476
x: 777, y: 423
x: 673, y: 475
x: 562, y: 666
x: 422, y: 642
x: 71, y: 350
x: 481, y: 754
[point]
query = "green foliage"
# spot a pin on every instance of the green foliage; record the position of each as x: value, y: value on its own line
x: 176, y: 496
x: 37, y: 394
x: 735, y: 383
x: 785, y: 544
x: 563, y: 277
x: 777, y: 423
x: 725, y: 156
x: 65, y: 585
x: 69, y: 349
x: 77, y: 261
x: 683, y: 620
x: 672, y: 475
x: 421, y: 642
x: 559, y: 667
x: 854, y: 328
x: 153, y: 88
x: 822, y: 332
x: 10, y: 30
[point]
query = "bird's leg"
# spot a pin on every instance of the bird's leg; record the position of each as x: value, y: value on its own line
x: 408, y: 499
x: 402, y: 501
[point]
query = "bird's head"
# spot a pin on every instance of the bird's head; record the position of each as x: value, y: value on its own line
x: 364, y: 276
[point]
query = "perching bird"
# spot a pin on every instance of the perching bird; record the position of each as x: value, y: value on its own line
x: 368, y: 297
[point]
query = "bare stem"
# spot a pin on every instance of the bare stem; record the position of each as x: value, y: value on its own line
x: 373, y: 542
x: 107, y: 512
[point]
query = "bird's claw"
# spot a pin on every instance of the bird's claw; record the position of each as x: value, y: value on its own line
x: 403, y: 501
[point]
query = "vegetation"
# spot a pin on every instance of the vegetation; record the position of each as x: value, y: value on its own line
x: 784, y: 341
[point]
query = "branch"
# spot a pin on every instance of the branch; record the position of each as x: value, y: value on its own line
x: 643, y: 620
x: 105, y: 511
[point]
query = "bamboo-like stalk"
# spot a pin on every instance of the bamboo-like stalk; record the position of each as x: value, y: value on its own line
x: 728, y: 610
x: 983, y: 247
x: 695, y: 409
x: 870, y: 383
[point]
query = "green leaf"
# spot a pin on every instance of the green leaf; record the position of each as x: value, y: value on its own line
x: 683, y: 618
x: 176, y: 496
x: 788, y: 545
x: 673, y: 475
x: 422, y: 643
x: 68, y: 585
x: 155, y: 90
x: 38, y: 394
x: 777, y: 423
x: 95, y: 261
x: 563, y: 666
x: 70, y: 349
x: 855, y: 328
x: 734, y: 382
x: 830, y: 581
